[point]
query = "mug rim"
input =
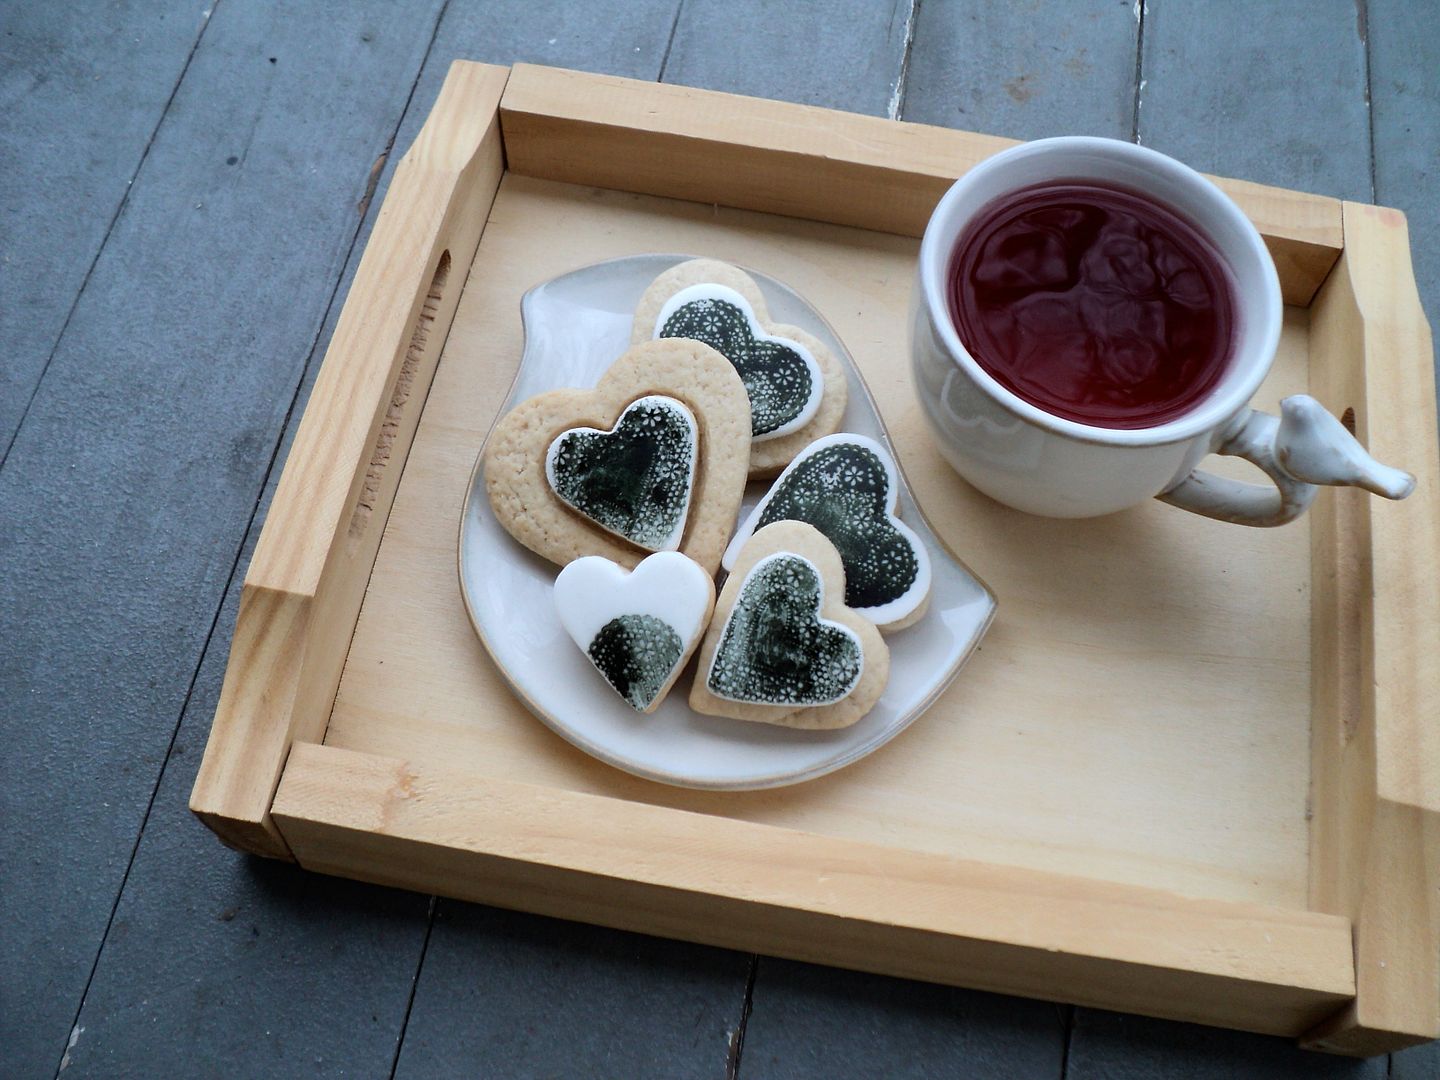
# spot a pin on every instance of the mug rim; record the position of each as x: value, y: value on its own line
x: 1236, y: 388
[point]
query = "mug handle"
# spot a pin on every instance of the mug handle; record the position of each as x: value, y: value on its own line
x: 1303, y: 447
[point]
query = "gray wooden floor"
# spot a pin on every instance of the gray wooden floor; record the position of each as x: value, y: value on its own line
x: 185, y: 188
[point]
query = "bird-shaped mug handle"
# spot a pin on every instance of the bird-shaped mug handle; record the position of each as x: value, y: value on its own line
x: 1302, y: 448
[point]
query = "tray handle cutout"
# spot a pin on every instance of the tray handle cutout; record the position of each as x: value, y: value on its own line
x: 420, y: 342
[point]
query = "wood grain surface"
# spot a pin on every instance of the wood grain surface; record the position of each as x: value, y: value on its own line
x: 631, y: 865
x: 844, y: 54
x: 1025, y: 71
x: 1375, y: 852
x: 1201, y: 675
x: 305, y: 581
x: 62, y: 195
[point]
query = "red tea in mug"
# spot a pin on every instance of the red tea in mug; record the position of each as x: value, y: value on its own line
x: 1093, y: 303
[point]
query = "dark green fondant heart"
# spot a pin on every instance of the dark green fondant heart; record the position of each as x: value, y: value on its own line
x: 843, y: 490
x: 776, y: 377
x: 634, y: 480
x: 636, y: 654
x: 774, y: 649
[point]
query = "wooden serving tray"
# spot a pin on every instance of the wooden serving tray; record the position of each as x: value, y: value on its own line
x: 1192, y: 772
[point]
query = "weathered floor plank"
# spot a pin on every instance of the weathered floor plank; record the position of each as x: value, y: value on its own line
x: 130, y: 484
x: 519, y: 996
x: 554, y: 32
x: 1111, y: 1046
x: 76, y: 116
x: 1268, y: 92
x: 809, y: 1021
x: 1417, y: 1063
x: 1026, y: 71
x: 220, y: 965
x: 845, y: 54
x: 180, y: 873
x: 625, y: 40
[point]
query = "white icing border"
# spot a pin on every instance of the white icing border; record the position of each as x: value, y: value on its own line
x: 672, y: 542
x: 881, y: 614
x: 669, y: 586
x: 710, y: 291
x: 819, y: 607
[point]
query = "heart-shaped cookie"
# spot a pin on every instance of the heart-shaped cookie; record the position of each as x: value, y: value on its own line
x: 783, y: 648
x: 796, y: 387
x: 633, y: 480
x: 638, y: 628
x: 775, y: 648
x: 688, y: 372
x: 780, y: 376
x: 847, y: 487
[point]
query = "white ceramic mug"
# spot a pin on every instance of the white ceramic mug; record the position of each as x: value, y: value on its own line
x: 1035, y: 461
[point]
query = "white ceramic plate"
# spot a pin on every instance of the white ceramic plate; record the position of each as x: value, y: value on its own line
x: 575, y: 326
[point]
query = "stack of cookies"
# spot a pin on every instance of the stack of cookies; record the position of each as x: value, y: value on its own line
x: 635, y: 489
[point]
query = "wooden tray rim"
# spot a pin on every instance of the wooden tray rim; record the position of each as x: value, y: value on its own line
x: 303, y: 590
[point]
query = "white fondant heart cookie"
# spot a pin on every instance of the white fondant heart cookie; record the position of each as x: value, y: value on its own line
x: 796, y: 387
x: 847, y: 487
x: 639, y: 627
x: 783, y: 647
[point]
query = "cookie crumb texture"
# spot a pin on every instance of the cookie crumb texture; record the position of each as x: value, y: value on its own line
x: 776, y: 377
x: 843, y: 490
x: 634, y: 480
x: 637, y: 654
x: 775, y: 649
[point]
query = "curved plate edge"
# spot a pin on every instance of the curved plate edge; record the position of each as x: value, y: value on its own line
x: 474, y: 491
